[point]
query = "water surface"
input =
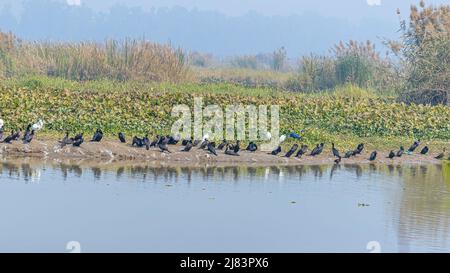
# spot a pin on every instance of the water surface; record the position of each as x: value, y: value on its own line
x: 115, y: 208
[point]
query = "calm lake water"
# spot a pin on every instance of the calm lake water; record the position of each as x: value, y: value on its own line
x: 113, y: 208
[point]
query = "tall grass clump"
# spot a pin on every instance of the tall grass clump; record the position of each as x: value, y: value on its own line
x: 83, y: 61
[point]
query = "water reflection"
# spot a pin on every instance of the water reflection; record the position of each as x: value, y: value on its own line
x: 419, y: 210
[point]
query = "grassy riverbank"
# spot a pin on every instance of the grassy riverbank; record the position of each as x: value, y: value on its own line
x: 345, y: 116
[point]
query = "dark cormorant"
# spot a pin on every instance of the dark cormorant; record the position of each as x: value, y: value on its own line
x: 222, y: 145
x: 291, y: 151
x: 335, y: 151
x: 276, y: 151
x: 252, y: 147
x: 163, y: 144
x: 187, y: 147
x: 122, y: 137
x: 400, y: 152
x: 211, y: 148
x: 318, y: 150
x: 98, y: 135
x: 424, y: 150
x: 373, y: 156
x: 391, y: 154
x: 229, y: 151
x: 302, y: 151
x: 414, y: 146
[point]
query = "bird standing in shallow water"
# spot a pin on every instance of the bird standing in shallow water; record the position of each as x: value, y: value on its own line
x: 335, y: 151
x: 122, y: 137
x: 424, y: 150
x: 373, y: 156
x: 291, y: 151
x: 302, y: 151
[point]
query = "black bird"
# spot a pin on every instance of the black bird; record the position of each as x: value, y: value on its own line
x: 185, y: 141
x: 163, y: 144
x: 146, y: 142
x: 291, y: 151
x: 391, y: 154
x: 204, y: 144
x: 424, y: 150
x: 122, y: 137
x: 373, y: 156
x: 222, y: 145
x: 400, y: 152
x: 318, y: 150
x: 9, y: 138
x: 359, y: 149
x: 211, y: 148
x: 338, y: 160
x: 441, y: 155
x: 187, y: 147
x: 237, y: 147
x: 196, y: 142
x: 138, y: 142
x: 28, y: 137
x: 276, y: 151
x: 414, y: 146
x: 66, y: 140
x: 98, y: 135
x: 302, y: 151
x: 335, y: 151
x: 16, y: 135
x: 78, y: 140
x: 27, y: 132
x: 156, y: 141
x: 229, y: 151
x: 173, y: 140
x: 349, y: 154
x: 78, y: 137
x: 252, y: 147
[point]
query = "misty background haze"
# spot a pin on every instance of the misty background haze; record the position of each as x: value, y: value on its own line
x: 222, y: 27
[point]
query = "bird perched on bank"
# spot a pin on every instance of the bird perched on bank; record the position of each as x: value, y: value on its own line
x: 27, y: 132
x: 163, y: 144
x: 211, y: 148
x: 400, y: 152
x: 27, y: 138
x: 155, y: 141
x: 282, y: 138
x: 38, y: 125
x: 276, y: 151
x: 413, y: 146
x: 98, y: 135
x: 425, y: 150
x: 138, y: 142
x: 252, y: 147
x: 66, y: 140
x: 335, y: 151
x: 373, y: 156
x: 222, y: 145
x: 16, y: 135
x: 122, y: 137
x: 441, y: 155
x: 1, y: 129
x: 187, y: 147
x: 229, y: 151
x: 317, y: 150
x: 302, y: 151
x: 185, y: 141
x: 349, y: 154
x: 9, y: 138
x: 204, y: 144
x: 291, y: 151
x: 359, y: 149
x: 77, y: 140
x: 146, y: 142
x: 173, y: 140
x: 391, y: 155
x: 237, y: 147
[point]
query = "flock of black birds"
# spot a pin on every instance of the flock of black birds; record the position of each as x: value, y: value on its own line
x: 163, y: 142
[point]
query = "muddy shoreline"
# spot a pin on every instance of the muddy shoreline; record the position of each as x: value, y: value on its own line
x: 113, y: 151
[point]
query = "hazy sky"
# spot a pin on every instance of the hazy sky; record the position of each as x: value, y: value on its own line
x: 350, y: 9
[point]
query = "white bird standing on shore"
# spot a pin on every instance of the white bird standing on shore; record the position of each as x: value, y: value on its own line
x: 38, y: 125
x: 282, y: 138
x: 268, y: 136
x: 1, y: 123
